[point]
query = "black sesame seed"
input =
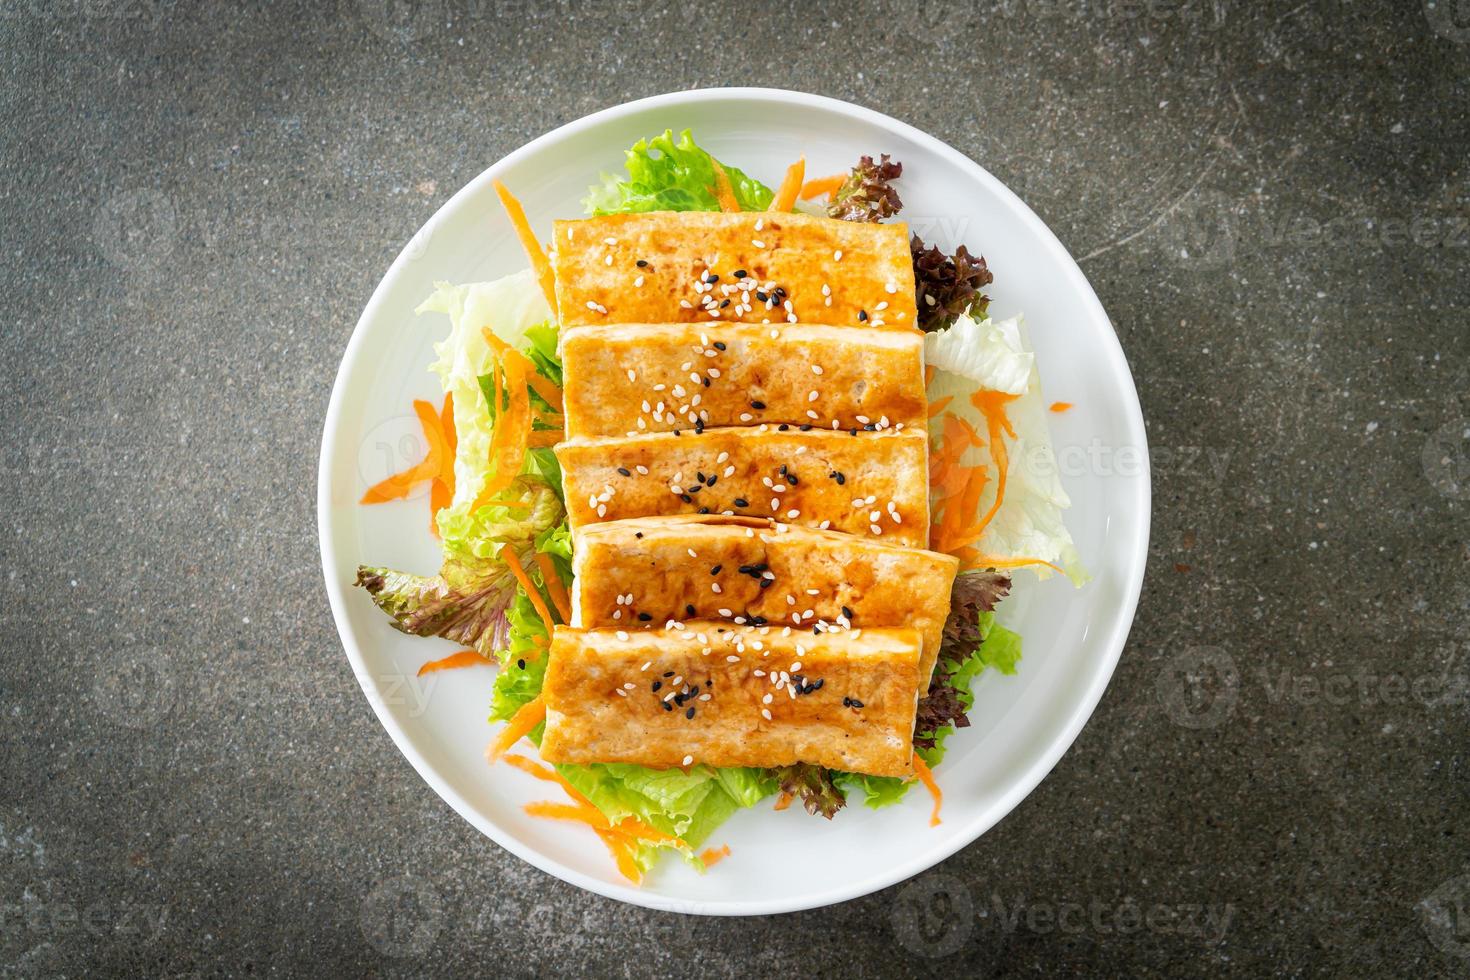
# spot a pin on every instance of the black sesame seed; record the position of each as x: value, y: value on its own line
x: 862, y: 315
x: 712, y: 480
x: 699, y: 476
x: 851, y: 432
x: 521, y: 664
x: 724, y: 303
x: 854, y: 702
x: 792, y: 478
x: 741, y: 502
x: 806, y: 427
x: 837, y: 475
x: 739, y: 273
x: 711, y: 278
x: 657, y: 685
x: 642, y: 263
x: 689, y: 610
x: 847, y: 612
x: 637, y: 534
x: 761, y: 296
x: 704, y: 510
x: 782, y: 470
x: 716, y: 570
x: 708, y: 682
x: 783, y: 427
x: 695, y: 488
x: 699, y: 427
x: 818, y: 685
x: 668, y: 673
x: 766, y: 583
x: 847, y: 702
x: 684, y: 496
x: 689, y: 713
x: 625, y: 471
x: 758, y: 620
x: 719, y: 345
x: 705, y: 382
x: 668, y: 707
x: 869, y: 427
x: 677, y: 432
x: 757, y: 405
x: 644, y: 617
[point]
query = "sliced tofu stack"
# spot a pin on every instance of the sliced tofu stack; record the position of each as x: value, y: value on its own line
x: 681, y: 267
x: 746, y: 477
x: 635, y: 378
x: 724, y: 695
x: 873, y: 484
x: 649, y: 571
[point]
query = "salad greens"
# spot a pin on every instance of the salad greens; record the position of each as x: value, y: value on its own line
x: 667, y: 176
x: 476, y: 600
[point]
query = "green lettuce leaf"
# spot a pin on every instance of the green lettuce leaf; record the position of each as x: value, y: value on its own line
x: 667, y: 176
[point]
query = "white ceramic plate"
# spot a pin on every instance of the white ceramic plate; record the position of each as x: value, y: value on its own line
x: 1021, y: 724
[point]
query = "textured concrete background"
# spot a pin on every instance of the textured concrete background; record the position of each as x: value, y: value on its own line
x: 1271, y: 199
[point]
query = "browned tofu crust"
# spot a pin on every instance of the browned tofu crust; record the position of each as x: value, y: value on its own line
x: 626, y: 379
x: 720, y: 695
x: 873, y: 484
x: 694, y: 261
x: 755, y: 570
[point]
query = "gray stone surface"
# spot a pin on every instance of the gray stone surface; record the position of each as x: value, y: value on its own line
x: 196, y: 200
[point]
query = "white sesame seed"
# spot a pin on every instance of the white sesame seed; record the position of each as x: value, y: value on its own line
x: 642, y: 470
x: 722, y: 457
x: 638, y: 282
x: 715, y: 587
x: 760, y: 223
x: 826, y: 289
x: 816, y: 369
x: 813, y: 395
x: 607, y: 259
x: 792, y: 515
x: 746, y: 416
x: 875, y: 529
x: 620, y: 692
x: 766, y: 713
x: 812, y: 415
x: 713, y: 372
x: 729, y: 470
x: 686, y: 304
x: 688, y: 759
x: 602, y: 510
x: 775, y: 503
x: 883, y: 305
x: 724, y: 612
x: 622, y: 635
x: 732, y: 659
x: 837, y: 255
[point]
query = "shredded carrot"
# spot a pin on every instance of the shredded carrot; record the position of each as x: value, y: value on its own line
x: 534, y: 251
x: 929, y: 371
x: 554, y: 586
x: 440, y: 496
x: 543, y: 386
x: 992, y: 404
x: 512, y: 430
x: 783, y: 801
x: 712, y: 856
x: 622, y: 853
x: 550, y: 418
x: 818, y: 186
x: 545, y: 772
x: 939, y: 405
x: 532, y: 713
x: 785, y: 198
x: 464, y: 658
x: 400, y: 485
x: 927, y: 778
x: 633, y: 827
x: 446, y: 425
x: 513, y: 562
x: 542, y: 438
x: 723, y: 191
x: 589, y: 815
x: 1060, y: 406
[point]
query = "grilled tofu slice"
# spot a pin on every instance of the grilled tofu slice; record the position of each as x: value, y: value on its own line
x: 730, y: 696
x: 846, y: 273
x: 676, y: 568
x: 626, y: 379
x: 873, y: 484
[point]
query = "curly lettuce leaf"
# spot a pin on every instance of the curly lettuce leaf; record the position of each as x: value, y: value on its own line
x: 667, y: 176
x: 816, y: 788
x: 868, y: 194
x: 1029, y: 523
x: 948, y: 286
x: 464, y: 603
